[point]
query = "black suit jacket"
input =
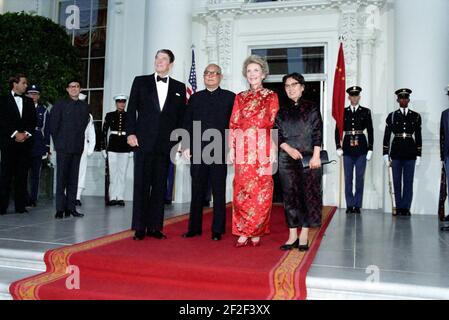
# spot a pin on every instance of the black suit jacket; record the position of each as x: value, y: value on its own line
x: 213, y: 109
x: 10, y: 120
x: 68, y: 122
x: 145, y: 119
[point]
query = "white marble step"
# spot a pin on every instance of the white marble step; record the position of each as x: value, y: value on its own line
x: 10, y: 275
x: 23, y: 254
x: 343, y: 289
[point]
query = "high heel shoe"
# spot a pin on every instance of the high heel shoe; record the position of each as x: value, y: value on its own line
x: 255, y: 243
x: 288, y: 247
x: 242, y: 244
x: 304, y: 248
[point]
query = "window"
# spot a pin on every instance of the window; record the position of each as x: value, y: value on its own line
x: 90, y: 40
x: 305, y: 60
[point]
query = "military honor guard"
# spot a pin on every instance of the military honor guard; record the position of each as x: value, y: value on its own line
x: 405, y: 151
x: 116, y: 151
x: 90, y: 140
x: 41, y: 147
x: 356, y: 149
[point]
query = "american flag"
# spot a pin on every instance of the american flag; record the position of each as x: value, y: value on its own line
x: 191, y: 87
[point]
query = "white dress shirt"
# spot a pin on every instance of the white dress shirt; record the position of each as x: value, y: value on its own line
x: 19, y: 103
x: 354, y: 108
x: 404, y: 111
x: 162, y: 90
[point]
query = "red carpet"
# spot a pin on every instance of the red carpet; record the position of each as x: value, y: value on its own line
x: 116, y: 267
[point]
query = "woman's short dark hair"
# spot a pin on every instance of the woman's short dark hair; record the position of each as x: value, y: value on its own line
x: 295, y: 75
x: 15, y: 79
x: 167, y: 52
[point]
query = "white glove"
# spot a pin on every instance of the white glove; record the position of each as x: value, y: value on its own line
x: 340, y: 153
x: 369, y: 155
x: 387, y: 160
x: 418, y: 161
x: 89, y: 153
x: 131, y: 154
x: 104, y: 153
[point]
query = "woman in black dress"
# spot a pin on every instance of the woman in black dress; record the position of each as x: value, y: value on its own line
x: 300, y: 134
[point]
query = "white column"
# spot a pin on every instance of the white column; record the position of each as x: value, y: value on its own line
x: 1, y: 6
x: 169, y: 26
x: 421, y: 63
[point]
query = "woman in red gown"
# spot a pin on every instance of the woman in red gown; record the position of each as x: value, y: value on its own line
x: 252, y: 152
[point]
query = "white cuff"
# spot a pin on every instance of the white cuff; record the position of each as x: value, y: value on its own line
x: 14, y: 134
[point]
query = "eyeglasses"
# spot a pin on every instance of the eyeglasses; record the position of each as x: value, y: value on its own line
x: 294, y: 84
x: 74, y: 86
x: 211, y: 73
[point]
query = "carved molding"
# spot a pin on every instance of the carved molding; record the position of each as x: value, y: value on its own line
x: 224, y: 34
x: 247, y: 7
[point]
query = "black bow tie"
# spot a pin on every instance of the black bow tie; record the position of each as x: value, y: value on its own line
x: 164, y: 80
x: 18, y: 95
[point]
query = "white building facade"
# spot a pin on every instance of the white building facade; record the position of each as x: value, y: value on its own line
x: 389, y: 44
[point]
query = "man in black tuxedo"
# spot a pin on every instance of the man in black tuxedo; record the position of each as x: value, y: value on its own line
x: 156, y: 108
x: 68, y: 121
x: 212, y: 109
x: 17, y: 123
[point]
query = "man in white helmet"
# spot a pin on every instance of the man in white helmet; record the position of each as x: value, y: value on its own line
x: 116, y: 150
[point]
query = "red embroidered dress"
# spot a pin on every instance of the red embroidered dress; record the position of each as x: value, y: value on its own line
x: 254, y: 113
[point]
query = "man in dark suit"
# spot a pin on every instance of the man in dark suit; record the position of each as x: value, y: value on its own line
x: 17, y: 124
x: 444, y: 144
x: 156, y: 107
x: 68, y: 121
x: 406, y: 149
x: 211, y: 109
x: 356, y: 149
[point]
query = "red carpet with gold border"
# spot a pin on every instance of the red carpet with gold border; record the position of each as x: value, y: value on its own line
x: 116, y: 267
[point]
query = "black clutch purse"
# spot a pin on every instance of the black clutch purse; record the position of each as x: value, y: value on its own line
x: 323, y: 156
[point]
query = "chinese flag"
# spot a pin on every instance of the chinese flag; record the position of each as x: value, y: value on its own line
x: 338, y: 100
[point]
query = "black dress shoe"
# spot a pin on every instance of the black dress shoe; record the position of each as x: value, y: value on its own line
x: 157, y: 235
x: 74, y: 213
x: 191, y: 234
x: 167, y: 202
x: 304, y: 248
x: 407, y: 213
x: 216, y: 236
x: 350, y: 210
x: 288, y: 247
x: 400, y: 212
x: 112, y: 203
x: 139, y: 235
x: 446, y: 219
x: 59, y: 215
x: 121, y: 203
x: 78, y: 203
x: 357, y: 211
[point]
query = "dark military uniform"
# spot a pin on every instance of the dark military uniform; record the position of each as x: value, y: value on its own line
x: 115, y: 143
x: 40, y: 149
x: 355, y: 148
x: 405, y: 126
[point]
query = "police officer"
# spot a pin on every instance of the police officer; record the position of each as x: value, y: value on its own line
x: 356, y: 149
x: 116, y: 149
x: 41, y: 147
x: 405, y: 151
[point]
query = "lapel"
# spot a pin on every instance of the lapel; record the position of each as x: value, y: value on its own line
x: 170, y: 93
x: 14, y: 106
x: 154, y: 97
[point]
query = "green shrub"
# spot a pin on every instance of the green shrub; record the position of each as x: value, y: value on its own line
x: 39, y: 48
